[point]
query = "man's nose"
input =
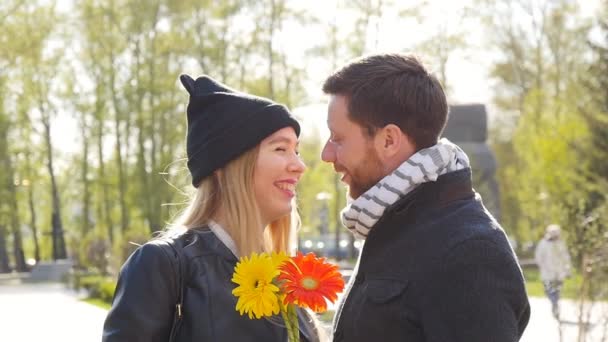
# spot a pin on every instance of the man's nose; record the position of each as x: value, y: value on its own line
x: 328, y: 154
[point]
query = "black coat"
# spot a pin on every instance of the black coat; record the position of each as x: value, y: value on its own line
x: 436, y: 267
x: 146, y: 294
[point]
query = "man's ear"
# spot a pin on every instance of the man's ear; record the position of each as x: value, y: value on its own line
x: 393, y: 146
x: 389, y: 140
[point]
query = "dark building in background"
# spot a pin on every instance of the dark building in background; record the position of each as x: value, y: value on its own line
x: 468, y: 128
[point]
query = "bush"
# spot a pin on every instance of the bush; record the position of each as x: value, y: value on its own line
x: 97, y: 286
x: 93, y: 252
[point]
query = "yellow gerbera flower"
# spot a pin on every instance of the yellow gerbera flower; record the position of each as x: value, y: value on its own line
x: 257, y: 294
x: 278, y: 258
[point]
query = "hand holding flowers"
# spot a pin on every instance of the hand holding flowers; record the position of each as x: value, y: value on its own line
x: 269, y: 284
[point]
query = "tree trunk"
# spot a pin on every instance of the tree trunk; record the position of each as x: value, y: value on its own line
x: 269, y: 49
x: 4, y: 264
x: 105, y: 217
x: 155, y: 196
x: 288, y: 82
x: 86, y: 196
x: 18, y: 254
x: 30, y: 200
x: 583, y: 299
x: 141, y: 150
x: 359, y: 41
x: 59, y: 251
x: 122, y: 184
x: 33, y: 226
x: 201, y: 24
x: 13, y: 212
x: 13, y: 205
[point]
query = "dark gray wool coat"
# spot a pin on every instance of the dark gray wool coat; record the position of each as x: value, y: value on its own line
x: 436, y: 267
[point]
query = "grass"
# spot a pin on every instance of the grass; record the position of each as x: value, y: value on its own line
x: 535, y: 288
x: 98, y: 302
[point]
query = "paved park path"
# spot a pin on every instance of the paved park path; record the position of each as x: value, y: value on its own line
x: 50, y: 312
x: 47, y: 313
x: 544, y: 328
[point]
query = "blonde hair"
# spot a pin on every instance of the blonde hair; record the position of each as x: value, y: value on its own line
x: 230, y: 189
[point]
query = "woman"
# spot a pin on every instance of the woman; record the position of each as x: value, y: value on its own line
x: 243, y: 159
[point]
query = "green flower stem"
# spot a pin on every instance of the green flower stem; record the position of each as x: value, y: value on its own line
x: 290, y: 316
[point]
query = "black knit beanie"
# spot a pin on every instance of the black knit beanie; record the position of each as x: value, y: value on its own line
x: 224, y: 123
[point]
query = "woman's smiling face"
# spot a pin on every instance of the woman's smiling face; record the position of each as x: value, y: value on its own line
x: 277, y: 172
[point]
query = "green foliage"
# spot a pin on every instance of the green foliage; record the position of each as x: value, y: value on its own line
x: 97, y: 286
x: 534, y: 286
x: 316, y: 190
x: 543, y: 194
x: 93, y: 252
x: 589, y: 245
x: 542, y: 134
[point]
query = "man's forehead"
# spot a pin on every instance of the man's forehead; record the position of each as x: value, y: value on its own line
x: 337, y: 111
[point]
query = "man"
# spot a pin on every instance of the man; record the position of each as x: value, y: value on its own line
x: 435, y: 265
x: 553, y: 261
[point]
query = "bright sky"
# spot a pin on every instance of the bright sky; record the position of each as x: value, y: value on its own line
x: 398, y: 33
x: 467, y: 74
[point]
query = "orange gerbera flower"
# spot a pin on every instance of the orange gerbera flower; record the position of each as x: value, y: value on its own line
x: 308, y: 281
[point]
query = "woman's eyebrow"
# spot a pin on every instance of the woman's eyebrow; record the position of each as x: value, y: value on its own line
x: 282, y: 140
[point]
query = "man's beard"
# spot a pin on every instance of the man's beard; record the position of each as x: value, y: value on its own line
x: 367, y: 174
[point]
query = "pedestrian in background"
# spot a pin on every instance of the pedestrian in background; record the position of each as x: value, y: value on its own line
x: 553, y: 261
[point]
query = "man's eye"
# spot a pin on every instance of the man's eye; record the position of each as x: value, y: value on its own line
x: 281, y: 149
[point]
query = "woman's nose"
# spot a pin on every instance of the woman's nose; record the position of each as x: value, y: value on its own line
x: 297, y: 165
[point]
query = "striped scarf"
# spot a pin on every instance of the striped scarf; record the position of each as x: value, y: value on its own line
x: 426, y: 165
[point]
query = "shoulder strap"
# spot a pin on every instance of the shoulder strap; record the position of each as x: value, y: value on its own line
x: 180, y: 278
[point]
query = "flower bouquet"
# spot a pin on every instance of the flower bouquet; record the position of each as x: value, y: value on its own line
x: 269, y: 284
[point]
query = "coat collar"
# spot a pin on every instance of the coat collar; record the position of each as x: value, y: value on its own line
x: 204, y: 240
x: 450, y: 187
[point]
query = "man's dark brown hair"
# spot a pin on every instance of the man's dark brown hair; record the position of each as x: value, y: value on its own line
x: 392, y: 89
